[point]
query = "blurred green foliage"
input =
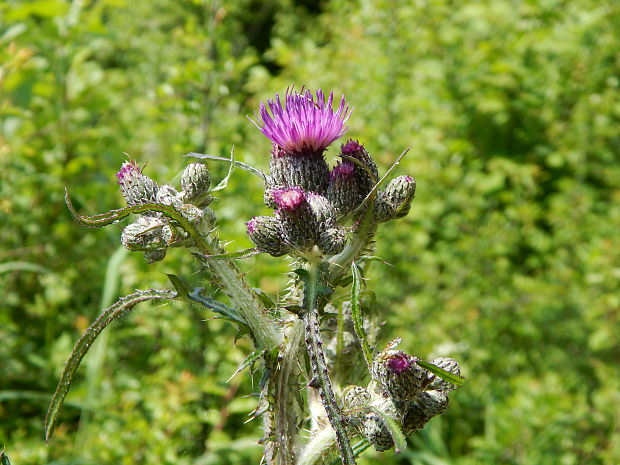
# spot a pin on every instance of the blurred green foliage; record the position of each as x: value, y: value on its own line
x: 509, y: 260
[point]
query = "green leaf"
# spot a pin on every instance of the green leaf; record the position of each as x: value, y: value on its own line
x: 179, y: 285
x: 227, y: 312
x: 303, y: 274
x: 264, y: 298
x: 443, y: 374
x: 118, y: 309
x: 249, y: 360
x: 356, y: 313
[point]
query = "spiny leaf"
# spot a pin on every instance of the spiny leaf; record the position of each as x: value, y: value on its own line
x: 227, y: 312
x: 443, y: 374
x: 249, y: 360
x: 356, y: 313
x: 303, y: 274
x: 264, y: 298
x: 113, y: 216
x: 243, y: 166
x: 121, y: 307
x: 179, y: 285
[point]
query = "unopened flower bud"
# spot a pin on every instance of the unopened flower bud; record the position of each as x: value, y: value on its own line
x: 147, y: 233
x: 169, y: 196
x: 398, y: 375
x: 137, y: 188
x: 355, y: 405
x: 427, y: 405
x: 377, y: 432
x: 354, y: 149
x: 332, y: 241
x: 298, y: 220
x: 451, y: 366
x: 324, y: 212
x: 375, y: 429
x: 152, y: 256
x: 195, y: 182
x: 266, y: 232
x: 350, y: 181
x: 395, y: 200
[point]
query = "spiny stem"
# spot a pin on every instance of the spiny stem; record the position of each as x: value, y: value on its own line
x: 320, y: 374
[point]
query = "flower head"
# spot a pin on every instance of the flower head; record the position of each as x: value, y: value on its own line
x: 135, y: 186
x: 303, y: 124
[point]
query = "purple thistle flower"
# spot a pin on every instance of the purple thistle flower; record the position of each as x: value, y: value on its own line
x: 303, y: 124
x: 129, y: 171
x: 135, y: 186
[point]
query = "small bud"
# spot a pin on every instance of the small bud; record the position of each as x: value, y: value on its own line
x: 147, y: 233
x: 266, y: 232
x: 332, y: 241
x: 398, y: 375
x: 152, y: 256
x: 395, y: 200
x: 355, y: 405
x: 137, y: 188
x: 298, y: 220
x: 357, y: 151
x: 355, y: 398
x: 427, y: 405
x: 377, y: 433
x: 350, y: 182
x: 324, y: 212
x: 451, y: 366
x: 169, y: 196
x: 195, y: 182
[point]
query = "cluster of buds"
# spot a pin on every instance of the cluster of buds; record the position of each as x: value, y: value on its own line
x: 402, y: 391
x: 153, y: 232
x: 311, y: 202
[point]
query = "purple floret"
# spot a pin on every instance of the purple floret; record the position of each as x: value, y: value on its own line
x: 129, y: 169
x: 303, y: 124
x: 289, y: 199
x: 344, y: 170
x: 400, y: 362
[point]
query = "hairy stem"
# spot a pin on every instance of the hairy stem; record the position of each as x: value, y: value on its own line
x: 358, y: 241
x: 231, y: 281
x: 286, y: 410
x: 320, y: 373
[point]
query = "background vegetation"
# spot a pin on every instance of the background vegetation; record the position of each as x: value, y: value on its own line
x: 509, y: 260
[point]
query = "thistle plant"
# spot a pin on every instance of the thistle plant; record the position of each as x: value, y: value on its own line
x: 312, y: 340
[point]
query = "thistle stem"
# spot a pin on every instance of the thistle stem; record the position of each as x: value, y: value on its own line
x: 320, y: 374
x: 231, y: 281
